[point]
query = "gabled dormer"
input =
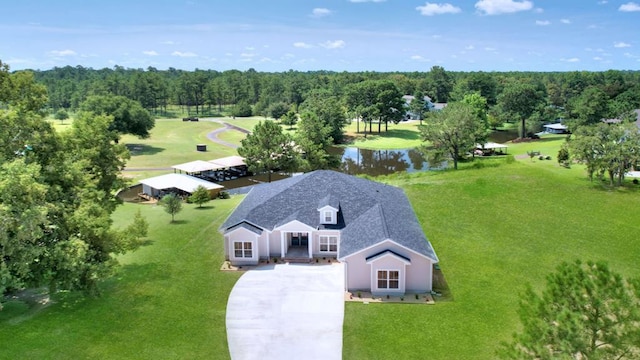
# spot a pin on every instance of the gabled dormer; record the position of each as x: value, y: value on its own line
x: 328, y: 208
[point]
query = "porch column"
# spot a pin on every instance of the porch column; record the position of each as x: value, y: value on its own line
x: 310, y: 244
x: 282, y: 248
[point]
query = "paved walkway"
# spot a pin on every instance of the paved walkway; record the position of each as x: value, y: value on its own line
x: 287, y: 312
x: 213, y: 136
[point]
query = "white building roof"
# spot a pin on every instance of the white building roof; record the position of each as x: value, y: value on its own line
x: 179, y: 181
x: 556, y: 126
x: 196, y: 166
x: 229, y: 161
x: 492, y: 145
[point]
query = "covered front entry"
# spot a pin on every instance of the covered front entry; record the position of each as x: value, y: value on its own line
x: 296, y: 244
x: 299, y: 239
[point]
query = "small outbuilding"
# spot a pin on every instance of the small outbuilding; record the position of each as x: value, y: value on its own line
x: 491, y: 148
x: 180, y: 184
x: 556, y: 128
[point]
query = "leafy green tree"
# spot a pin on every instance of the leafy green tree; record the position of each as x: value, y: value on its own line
x: 61, y: 115
x: 172, y: 204
x: 129, y: 117
x: 452, y: 131
x: 200, y: 196
x: 521, y: 100
x: 278, y: 110
x: 440, y: 84
x: 417, y: 105
x: 290, y: 119
x: 589, y: 108
x: 610, y: 149
x: 314, y: 139
x: 241, y: 109
x: 586, y: 311
x: 268, y: 149
x: 135, y: 232
x: 478, y: 105
x: 329, y: 110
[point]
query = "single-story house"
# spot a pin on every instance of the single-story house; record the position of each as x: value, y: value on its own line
x: 368, y: 226
x: 181, y: 184
x: 556, y: 128
x: 429, y: 105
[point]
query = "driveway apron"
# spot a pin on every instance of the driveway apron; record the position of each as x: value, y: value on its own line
x: 287, y: 312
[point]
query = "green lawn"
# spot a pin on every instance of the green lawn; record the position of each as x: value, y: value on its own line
x: 172, y: 142
x: 495, y: 229
x: 167, y: 301
x: 495, y: 226
x: 404, y: 135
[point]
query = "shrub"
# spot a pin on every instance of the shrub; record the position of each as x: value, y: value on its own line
x: 224, y: 195
x: 548, y: 157
x: 510, y: 159
x: 541, y: 157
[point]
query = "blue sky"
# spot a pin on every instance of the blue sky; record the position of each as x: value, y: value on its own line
x: 337, y: 35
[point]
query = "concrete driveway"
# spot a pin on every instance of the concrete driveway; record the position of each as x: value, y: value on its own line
x: 287, y: 312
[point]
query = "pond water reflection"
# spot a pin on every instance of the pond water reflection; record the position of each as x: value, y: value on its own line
x: 356, y: 161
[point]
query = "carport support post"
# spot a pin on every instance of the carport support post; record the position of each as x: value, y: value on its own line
x: 282, y: 248
x: 309, y: 244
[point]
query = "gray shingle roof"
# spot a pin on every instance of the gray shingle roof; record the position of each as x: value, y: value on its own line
x: 372, y: 211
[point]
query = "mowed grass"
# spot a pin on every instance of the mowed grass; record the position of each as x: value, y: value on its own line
x: 404, y: 135
x: 495, y: 229
x: 167, y: 301
x: 172, y: 142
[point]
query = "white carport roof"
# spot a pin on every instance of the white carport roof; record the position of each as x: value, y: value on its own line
x: 196, y: 166
x: 229, y: 161
x: 556, y: 126
x: 492, y: 145
x: 180, y: 181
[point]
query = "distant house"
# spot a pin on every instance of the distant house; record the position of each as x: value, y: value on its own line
x: 556, y: 128
x: 617, y: 121
x: 429, y: 105
x: 369, y: 226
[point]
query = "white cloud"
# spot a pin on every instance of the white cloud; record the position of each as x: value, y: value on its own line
x: 365, y: 1
x: 320, y: 12
x: 418, y: 58
x: 496, y: 7
x: 469, y: 47
x: 571, y: 60
x: 249, y: 48
x: 65, y: 52
x: 150, y: 53
x: 302, y: 45
x: 629, y: 7
x: 430, y: 9
x: 543, y: 22
x: 489, y: 49
x: 598, y: 58
x: 168, y: 42
x: 183, y: 54
x: 565, y: 21
x: 621, y: 44
x: 247, y: 55
x: 337, y: 44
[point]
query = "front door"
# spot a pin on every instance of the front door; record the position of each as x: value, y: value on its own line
x: 299, y: 239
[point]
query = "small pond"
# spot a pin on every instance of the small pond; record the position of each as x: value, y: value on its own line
x: 357, y: 161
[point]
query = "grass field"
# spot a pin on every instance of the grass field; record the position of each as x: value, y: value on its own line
x: 172, y: 142
x: 494, y: 225
x: 404, y: 135
x: 167, y: 301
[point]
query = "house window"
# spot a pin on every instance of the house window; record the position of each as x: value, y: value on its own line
x: 328, y: 217
x: 388, y: 279
x: 243, y: 249
x: 328, y: 243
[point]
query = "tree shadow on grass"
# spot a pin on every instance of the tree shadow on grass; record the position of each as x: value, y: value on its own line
x: 205, y: 207
x: 179, y: 222
x: 143, y: 149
